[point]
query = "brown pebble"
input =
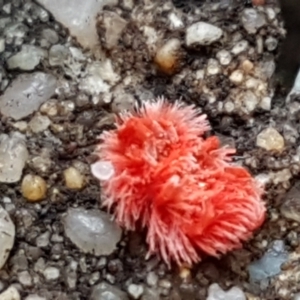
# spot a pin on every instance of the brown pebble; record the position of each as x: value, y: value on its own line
x: 258, y: 2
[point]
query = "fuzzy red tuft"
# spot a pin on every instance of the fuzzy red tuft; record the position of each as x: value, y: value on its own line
x: 180, y: 186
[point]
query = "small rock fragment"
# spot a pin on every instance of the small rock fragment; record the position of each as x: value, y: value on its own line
x: 122, y: 102
x: 58, y: 54
x: 107, y: 291
x: 203, y: 34
x: 51, y: 273
x: 10, y: 294
x: 50, y: 35
x: 25, y: 278
x: 112, y: 25
x: 236, y: 77
x: 224, y: 57
x: 213, y: 67
x: 252, y: 20
x: 26, y: 93
x: 215, y: 292
x: 34, y: 297
x: 7, y: 236
x: 92, y: 231
x: 34, y: 188
x: 13, y: 156
x: 74, y: 179
x: 27, y: 59
x: 39, y: 123
x: 240, y: 47
x: 135, y: 290
x: 270, y: 139
x: 290, y: 208
x: 270, y: 263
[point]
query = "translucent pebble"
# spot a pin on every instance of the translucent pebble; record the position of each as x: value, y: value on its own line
x: 13, y: 156
x: 26, y: 93
x: 92, y: 231
x: 270, y: 263
x: 215, y: 292
x: 103, y: 170
x: 7, y: 236
x: 79, y: 18
x: 74, y: 179
x: 34, y: 188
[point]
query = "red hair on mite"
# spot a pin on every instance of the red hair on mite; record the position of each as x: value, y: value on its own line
x: 158, y: 172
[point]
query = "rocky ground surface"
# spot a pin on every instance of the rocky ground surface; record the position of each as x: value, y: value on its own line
x: 65, y: 70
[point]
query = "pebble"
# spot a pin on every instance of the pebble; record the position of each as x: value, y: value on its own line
x: 34, y: 188
x: 224, y: 57
x: 34, y: 297
x: 152, y: 279
x: 215, y: 292
x: 122, y: 102
x: 213, y: 67
x: 270, y: 139
x: 10, y: 294
x: 106, y: 291
x: 27, y: 59
x: 7, y: 236
x: 92, y: 231
x: 135, y: 290
x: 240, y: 47
x: 290, y: 207
x: 74, y: 179
x: 51, y: 273
x: 13, y: 157
x: 58, y: 54
x: 26, y: 93
x: 25, y: 278
x: 50, y: 35
x: 103, y: 170
x: 39, y: 123
x: 236, y: 77
x: 270, y: 263
x: 271, y: 43
x: 252, y: 20
x: 247, y: 66
x: 81, y: 21
x: 113, y: 26
x: 203, y: 34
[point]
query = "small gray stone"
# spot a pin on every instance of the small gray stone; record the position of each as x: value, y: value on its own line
x: 51, y: 273
x: 203, y: 34
x: 25, y: 278
x: 215, y: 292
x: 58, y: 54
x: 50, y: 35
x: 252, y: 20
x: 135, y: 290
x: 26, y: 93
x: 34, y: 297
x: 7, y: 236
x: 27, y: 59
x: 290, y: 208
x: 270, y: 263
x: 39, y: 123
x: 10, y: 294
x: 105, y: 291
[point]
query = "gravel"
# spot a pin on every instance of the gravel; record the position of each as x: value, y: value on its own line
x: 64, y: 73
